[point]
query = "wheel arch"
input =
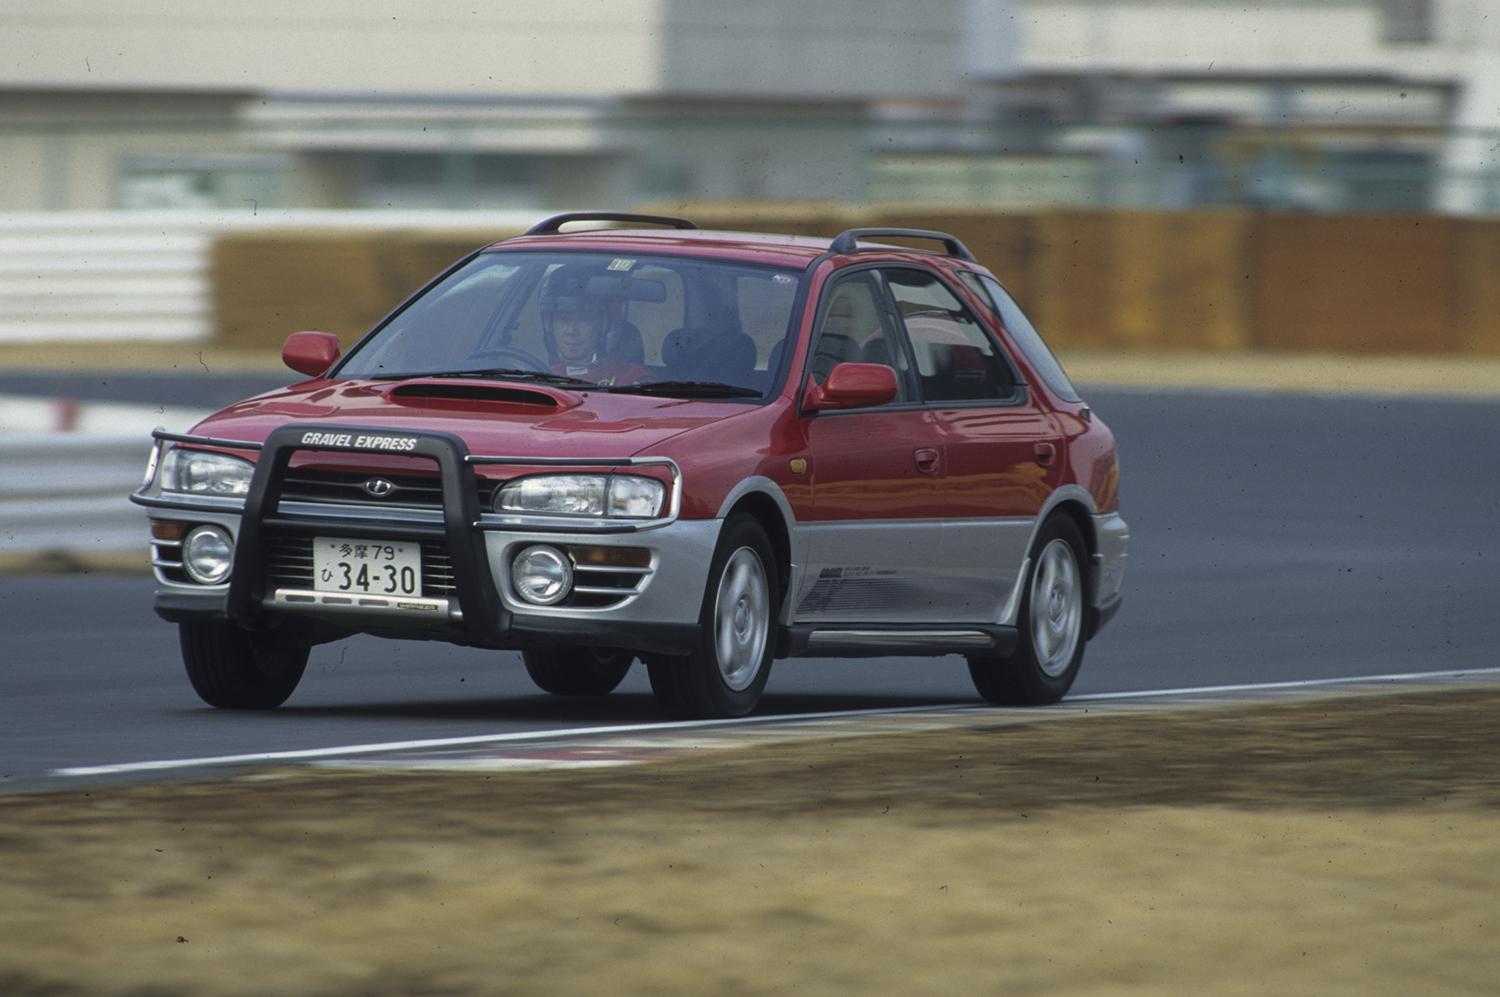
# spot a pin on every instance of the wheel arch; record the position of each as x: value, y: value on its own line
x: 1078, y: 506
x: 761, y: 499
x: 1082, y: 518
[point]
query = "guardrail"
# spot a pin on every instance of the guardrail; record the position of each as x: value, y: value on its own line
x: 69, y: 492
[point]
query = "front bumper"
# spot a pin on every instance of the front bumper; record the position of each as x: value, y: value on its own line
x: 654, y: 607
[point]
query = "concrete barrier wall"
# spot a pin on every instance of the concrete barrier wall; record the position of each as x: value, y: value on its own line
x: 1214, y: 281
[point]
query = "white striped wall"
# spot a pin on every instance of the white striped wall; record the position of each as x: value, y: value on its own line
x: 127, y: 275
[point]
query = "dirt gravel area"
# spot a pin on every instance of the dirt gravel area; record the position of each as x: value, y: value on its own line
x: 1341, y: 846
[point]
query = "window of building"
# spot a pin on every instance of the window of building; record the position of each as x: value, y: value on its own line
x: 247, y: 183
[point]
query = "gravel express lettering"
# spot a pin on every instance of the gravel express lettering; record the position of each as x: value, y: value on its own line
x: 400, y: 444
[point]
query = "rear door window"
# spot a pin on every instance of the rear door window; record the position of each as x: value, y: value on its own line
x: 956, y: 359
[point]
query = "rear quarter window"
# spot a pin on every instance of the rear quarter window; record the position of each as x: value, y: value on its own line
x: 1023, y: 333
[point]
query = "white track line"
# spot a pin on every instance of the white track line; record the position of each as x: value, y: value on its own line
x: 450, y: 742
x: 552, y: 735
x: 1205, y: 690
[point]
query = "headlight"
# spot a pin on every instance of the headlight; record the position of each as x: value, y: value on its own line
x: 204, y: 473
x: 634, y: 497
x: 627, y: 496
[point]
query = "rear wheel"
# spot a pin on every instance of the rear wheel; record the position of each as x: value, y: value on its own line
x: 236, y: 669
x: 577, y: 671
x: 726, y: 673
x: 1050, y: 647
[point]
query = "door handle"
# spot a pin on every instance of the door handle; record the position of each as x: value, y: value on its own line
x: 1046, y: 453
x: 927, y: 459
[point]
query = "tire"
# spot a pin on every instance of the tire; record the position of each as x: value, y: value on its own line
x: 577, y: 671
x: 726, y: 673
x: 236, y: 669
x: 1051, y: 624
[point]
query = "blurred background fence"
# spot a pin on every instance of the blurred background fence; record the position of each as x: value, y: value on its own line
x: 1203, y: 280
x: 70, y: 491
x: 1147, y: 174
x: 1216, y: 281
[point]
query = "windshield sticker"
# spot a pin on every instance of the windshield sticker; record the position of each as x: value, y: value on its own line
x: 621, y: 264
x: 782, y: 278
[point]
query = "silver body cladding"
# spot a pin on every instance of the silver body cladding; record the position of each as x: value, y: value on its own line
x: 881, y: 572
x: 850, y: 573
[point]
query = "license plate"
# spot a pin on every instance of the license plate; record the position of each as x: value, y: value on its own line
x: 367, y: 567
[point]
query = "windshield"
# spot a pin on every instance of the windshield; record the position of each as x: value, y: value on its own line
x: 643, y: 324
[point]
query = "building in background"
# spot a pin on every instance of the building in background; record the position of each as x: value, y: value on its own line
x: 373, y: 103
x: 1315, y: 104
x: 1301, y: 104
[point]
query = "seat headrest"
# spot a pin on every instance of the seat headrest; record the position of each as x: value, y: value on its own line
x: 692, y: 354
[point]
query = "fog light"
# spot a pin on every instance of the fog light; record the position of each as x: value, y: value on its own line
x: 208, y: 554
x: 542, y: 575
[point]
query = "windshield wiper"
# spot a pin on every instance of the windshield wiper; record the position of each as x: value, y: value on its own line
x: 507, y: 373
x: 693, y: 389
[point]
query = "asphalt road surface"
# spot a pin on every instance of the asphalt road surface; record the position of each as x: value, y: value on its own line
x: 1275, y: 538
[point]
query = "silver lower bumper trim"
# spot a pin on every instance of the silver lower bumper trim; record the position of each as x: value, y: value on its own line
x: 399, y: 607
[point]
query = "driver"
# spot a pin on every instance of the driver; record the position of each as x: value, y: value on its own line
x: 577, y: 308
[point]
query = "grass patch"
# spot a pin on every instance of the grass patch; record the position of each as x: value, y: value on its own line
x: 1342, y: 846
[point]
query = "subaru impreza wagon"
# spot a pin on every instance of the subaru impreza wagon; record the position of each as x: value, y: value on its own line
x: 698, y: 450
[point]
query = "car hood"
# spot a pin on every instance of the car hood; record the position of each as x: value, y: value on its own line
x: 494, y: 418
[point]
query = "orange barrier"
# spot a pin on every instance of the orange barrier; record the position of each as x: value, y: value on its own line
x: 1203, y: 281
x: 270, y: 283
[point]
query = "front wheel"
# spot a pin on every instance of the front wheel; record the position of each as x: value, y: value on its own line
x: 577, y: 671
x: 1050, y: 647
x: 236, y: 669
x: 726, y: 673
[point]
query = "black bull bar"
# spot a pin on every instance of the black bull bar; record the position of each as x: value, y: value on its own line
x: 485, y: 618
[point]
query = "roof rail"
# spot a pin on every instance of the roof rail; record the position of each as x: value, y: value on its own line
x: 550, y: 226
x: 847, y: 241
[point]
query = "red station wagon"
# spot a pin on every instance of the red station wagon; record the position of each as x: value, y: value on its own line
x: 703, y: 450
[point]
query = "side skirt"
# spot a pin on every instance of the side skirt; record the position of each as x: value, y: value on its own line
x: 855, y: 640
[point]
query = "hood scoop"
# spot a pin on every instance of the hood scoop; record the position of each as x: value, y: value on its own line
x: 483, y: 395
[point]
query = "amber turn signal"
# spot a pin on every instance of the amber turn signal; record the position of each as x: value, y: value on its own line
x: 167, y: 529
x: 611, y: 557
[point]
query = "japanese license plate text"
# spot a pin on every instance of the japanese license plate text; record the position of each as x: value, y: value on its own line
x: 367, y: 567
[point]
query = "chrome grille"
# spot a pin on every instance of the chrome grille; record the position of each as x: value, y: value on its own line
x: 289, y: 564
x: 412, y: 491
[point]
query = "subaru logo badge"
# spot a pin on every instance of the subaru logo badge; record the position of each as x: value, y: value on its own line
x: 379, y: 487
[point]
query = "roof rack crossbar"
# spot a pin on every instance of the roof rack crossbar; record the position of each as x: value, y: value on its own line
x: 847, y: 241
x: 554, y: 224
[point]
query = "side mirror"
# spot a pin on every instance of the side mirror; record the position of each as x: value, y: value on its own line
x: 310, y: 353
x: 853, y: 385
